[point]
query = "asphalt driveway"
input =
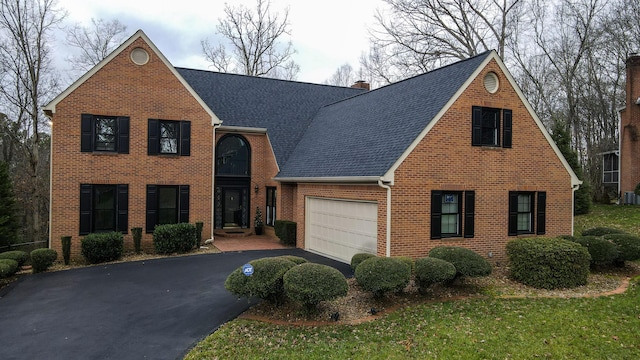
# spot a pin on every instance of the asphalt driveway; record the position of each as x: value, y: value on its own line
x: 153, y: 309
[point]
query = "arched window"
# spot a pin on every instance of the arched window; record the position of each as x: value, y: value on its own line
x: 233, y: 156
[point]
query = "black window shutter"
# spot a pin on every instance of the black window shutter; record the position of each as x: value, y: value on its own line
x: 152, y: 207
x: 513, y: 213
x: 153, y: 137
x: 436, y: 214
x: 184, y: 204
x: 507, y: 128
x: 542, y: 213
x: 123, y: 135
x: 185, y: 138
x: 469, y: 213
x: 86, y: 207
x: 476, y: 125
x: 86, y: 133
x: 123, y: 208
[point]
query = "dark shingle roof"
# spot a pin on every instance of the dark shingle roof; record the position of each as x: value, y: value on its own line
x: 284, y: 108
x: 366, y: 134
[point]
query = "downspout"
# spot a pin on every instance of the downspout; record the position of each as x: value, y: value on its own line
x: 388, y: 235
x: 50, y: 117
x: 213, y: 182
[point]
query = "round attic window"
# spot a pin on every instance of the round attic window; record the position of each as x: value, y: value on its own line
x: 491, y: 82
x: 139, y: 56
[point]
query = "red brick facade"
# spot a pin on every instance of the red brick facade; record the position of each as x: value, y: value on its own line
x: 445, y: 160
x: 122, y: 88
x: 630, y: 130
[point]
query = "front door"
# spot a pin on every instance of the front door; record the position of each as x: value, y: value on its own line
x: 232, y: 208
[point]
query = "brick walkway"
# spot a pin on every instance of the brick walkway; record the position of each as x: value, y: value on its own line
x: 243, y: 243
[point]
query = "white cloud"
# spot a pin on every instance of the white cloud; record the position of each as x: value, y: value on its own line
x: 325, y: 34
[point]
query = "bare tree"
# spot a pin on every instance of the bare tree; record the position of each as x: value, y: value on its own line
x: 94, y: 42
x: 25, y: 82
x: 254, y: 43
x: 418, y: 35
x: 344, y: 76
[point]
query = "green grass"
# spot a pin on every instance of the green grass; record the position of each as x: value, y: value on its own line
x: 488, y: 328
x: 624, y: 217
x: 584, y: 328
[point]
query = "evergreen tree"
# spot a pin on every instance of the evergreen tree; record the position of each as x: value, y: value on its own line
x: 8, y: 221
x: 582, y: 196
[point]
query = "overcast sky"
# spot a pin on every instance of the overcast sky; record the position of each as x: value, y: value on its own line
x: 325, y: 34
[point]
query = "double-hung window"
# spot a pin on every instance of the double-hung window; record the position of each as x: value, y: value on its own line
x: 167, y: 204
x: 104, y: 134
x: 491, y: 127
x: 104, y: 208
x: 452, y: 214
x: 527, y: 212
x: 169, y: 137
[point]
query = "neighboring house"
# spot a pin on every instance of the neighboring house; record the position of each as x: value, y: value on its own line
x: 629, y: 130
x: 454, y: 157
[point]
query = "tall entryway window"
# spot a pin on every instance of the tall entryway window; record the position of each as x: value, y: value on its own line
x: 233, y: 179
x: 271, y: 205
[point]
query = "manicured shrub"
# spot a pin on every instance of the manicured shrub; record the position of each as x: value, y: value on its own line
x: 409, y: 261
x: 567, y: 237
x: 430, y: 270
x: 66, y: 249
x: 265, y: 283
x: 102, y: 247
x: 136, y: 233
x: 295, y: 259
x: 628, y: 247
x: 311, y: 283
x: 466, y: 262
x: 174, y: 238
x: 548, y: 263
x: 19, y: 256
x: 42, y: 259
x: 286, y: 231
x: 603, y: 252
x: 358, y: 258
x: 601, y: 231
x: 8, y: 267
x: 382, y: 274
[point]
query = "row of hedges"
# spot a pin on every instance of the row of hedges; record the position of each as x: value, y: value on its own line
x: 277, y: 278
x: 444, y: 264
x: 11, y: 261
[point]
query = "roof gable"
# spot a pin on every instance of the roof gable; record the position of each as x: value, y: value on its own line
x: 284, y: 108
x: 50, y: 108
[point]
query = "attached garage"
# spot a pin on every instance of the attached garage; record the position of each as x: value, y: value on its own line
x: 341, y: 228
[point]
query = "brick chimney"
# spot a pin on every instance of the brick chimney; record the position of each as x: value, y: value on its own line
x: 361, y: 84
x: 630, y: 128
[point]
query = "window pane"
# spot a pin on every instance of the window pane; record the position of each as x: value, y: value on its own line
x: 105, y: 134
x: 232, y: 156
x: 524, y: 203
x: 490, y: 126
x: 104, y: 208
x: 167, y: 205
x: 168, y: 137
x: 524, y: 222
x: 607, y: 177
x: 449, y: 224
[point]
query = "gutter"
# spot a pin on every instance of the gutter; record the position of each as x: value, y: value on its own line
x: 337, y: 179
x: 388, y: 234
x: 244, y: 130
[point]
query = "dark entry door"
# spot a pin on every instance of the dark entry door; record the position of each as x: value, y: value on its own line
x: 232, y: 216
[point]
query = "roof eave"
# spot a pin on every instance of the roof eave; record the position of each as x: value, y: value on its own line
x: 331, y: 179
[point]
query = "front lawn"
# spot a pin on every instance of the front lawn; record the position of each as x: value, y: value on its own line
x: 624, y: 217
x: 490, y: 328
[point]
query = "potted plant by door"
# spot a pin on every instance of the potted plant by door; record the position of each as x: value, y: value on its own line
x: 258, y: 224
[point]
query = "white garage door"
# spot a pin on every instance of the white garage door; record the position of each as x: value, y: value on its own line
x: 341, y: 228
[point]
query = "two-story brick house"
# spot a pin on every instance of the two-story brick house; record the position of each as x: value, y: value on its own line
x: 455, y: 156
